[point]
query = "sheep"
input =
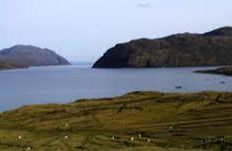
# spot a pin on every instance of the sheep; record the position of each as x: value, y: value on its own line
x: 66, y: 137
x: 132, y: 138
x: 19, y: 137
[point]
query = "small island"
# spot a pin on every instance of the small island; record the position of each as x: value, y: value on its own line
x: 213, y: 48
x: 22, y: 56
x: 223, y: 70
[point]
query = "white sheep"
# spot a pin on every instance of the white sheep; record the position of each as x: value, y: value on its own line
x: 132, y: 138
x: 19, y: 137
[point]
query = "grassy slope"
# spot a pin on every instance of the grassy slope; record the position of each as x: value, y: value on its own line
x: 164, y: 121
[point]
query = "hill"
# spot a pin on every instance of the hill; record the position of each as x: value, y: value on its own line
x: 27, y: 55
x: 136, y: 121
x: 181, y: 50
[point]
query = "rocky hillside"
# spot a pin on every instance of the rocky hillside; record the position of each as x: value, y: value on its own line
x: 26, y: 55
x: 180, y: 50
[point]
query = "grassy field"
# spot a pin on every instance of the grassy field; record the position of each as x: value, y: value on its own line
x: 136, y: 121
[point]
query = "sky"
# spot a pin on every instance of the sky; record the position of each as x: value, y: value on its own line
x: 82, y: 30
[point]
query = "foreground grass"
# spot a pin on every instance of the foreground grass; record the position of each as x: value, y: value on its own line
x: 136, y: 121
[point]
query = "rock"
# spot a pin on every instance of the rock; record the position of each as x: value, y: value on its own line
x: 222, y: 70
x: 180, y: 50
x: 178, y: 87
x: 27, y: 55
x: 223, y: 82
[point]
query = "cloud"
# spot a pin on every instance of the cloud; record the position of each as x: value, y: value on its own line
x: 144, y: 4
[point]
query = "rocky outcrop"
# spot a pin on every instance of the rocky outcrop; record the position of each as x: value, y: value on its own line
x: 180, y: 50
x: 27, y: 55
x: 223, y: 70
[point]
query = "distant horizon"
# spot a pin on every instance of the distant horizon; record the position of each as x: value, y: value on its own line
x: 83, y: 30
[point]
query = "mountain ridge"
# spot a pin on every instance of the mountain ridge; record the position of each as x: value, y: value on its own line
x: 178, y: 50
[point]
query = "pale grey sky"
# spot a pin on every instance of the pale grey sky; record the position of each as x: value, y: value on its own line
x: 83, y: 30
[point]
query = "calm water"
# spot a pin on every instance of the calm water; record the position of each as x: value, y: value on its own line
x: 68, y: 83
